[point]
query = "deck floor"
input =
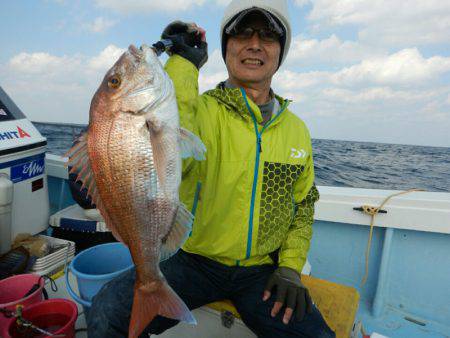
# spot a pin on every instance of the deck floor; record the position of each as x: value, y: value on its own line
x: 392, y: 323
x: 62, y: 293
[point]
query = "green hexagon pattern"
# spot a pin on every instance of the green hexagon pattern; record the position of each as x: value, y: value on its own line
x: 277, y: 204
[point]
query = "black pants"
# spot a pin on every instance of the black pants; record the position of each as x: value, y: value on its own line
x: 199, y: 281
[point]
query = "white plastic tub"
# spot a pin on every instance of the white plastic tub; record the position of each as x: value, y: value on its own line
x: 55, y: 260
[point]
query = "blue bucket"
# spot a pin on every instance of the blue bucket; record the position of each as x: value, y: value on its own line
x: 95, y: 267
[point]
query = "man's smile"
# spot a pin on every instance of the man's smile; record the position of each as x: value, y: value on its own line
x: 252, y: 62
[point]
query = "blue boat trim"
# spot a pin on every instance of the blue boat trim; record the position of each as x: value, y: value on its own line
x: 255, y: 174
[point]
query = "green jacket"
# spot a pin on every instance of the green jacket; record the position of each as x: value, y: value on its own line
x: 255, y: 192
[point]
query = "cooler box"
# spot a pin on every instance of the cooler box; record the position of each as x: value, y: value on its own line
x: 22, y: 159
x: 72, y: 224
x: 210, y: 323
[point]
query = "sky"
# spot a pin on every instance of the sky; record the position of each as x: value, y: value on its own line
x: 360, y: 70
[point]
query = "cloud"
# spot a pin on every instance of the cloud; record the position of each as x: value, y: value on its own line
x: 290, y: 80
x: 436, y: 110
x: 39, y: 63
x: 375, y: 94
x: 99, y: 25
x: 105, y: 59
x: 385, y: 98
x: 407, y: 67
x: 329, y: 51
x: 302, y: 3
x: 213, y: 72
x: 387, y: 22
x: 56, y: 88
x: 145, y: 6
x: 47, y: 65
x: 223, y: 2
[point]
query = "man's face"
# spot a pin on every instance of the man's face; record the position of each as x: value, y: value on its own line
x: 252, y: 60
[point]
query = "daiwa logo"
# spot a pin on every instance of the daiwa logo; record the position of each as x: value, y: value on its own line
x: 9, y: 135
x: 33, y: 169
x: 298, y: 153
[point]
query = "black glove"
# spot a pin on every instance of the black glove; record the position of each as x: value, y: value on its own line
x: 187, y: 42
x: 290, y: 292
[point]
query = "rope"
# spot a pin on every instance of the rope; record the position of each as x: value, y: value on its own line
x: 372, y: 212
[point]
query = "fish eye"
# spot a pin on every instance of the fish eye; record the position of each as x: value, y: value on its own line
x: 114, y: 82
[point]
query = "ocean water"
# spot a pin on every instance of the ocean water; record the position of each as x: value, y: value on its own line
x: 339, y: 163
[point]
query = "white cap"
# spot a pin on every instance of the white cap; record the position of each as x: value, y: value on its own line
x: 277, y: 8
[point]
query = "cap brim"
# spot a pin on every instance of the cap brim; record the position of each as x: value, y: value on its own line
x: 272, y: 22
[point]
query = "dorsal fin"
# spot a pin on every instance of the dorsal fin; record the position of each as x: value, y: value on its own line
x: 81, y: 165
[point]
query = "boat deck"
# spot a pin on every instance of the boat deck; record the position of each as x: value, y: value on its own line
x: 391, y: 323
x: 62, y: 293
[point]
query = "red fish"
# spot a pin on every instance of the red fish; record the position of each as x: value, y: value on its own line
x: 130, y: 162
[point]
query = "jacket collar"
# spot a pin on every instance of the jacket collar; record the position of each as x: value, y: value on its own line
x: 234, y: 100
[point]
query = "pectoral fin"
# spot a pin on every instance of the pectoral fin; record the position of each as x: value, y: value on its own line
x: 191, y: 145
x: 178, y: 233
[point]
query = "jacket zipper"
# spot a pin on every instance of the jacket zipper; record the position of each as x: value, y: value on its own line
x: 255, y: 175
x: 196, y: 198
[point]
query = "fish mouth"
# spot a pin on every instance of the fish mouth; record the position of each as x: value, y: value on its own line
x: 137, y: 53
x: 148, y: 53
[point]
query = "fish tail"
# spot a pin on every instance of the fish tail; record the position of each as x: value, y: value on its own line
x: 162, y: 301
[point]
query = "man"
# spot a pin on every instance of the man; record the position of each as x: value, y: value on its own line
x: 253, y: 198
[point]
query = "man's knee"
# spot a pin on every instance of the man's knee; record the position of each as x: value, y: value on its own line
x: 104, y: 321
x: 110, y: 311
x: 315, y: 325
x: 326, y: 333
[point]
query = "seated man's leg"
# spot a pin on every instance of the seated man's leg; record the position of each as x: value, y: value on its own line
x: 110, y: 313
x: 256, y: 313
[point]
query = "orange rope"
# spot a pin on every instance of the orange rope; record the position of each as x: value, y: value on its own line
x: 372, y: 212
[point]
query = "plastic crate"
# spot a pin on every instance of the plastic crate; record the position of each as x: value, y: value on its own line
x: 56, y: 259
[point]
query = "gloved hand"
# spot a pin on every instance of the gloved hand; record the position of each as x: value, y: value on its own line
x: 290, y: 292
x: 189, y: 41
